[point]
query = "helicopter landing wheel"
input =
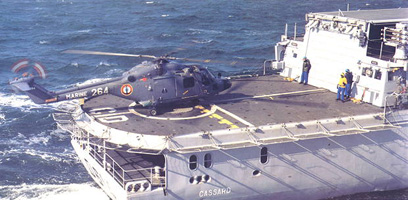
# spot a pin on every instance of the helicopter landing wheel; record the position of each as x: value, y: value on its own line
x: 153, y: 112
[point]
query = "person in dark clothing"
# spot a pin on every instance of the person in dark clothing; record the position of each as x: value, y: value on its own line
x: 305, y: 71
x: 349, y: 77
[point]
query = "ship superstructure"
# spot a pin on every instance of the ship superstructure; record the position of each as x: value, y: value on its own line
x: 264, y: 138
x: 370, y: 43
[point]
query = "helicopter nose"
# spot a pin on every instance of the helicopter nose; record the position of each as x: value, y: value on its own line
x: 227, y: 83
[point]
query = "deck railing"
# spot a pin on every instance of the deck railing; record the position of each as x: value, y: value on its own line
x: 155, y: 175
x: 400, y: 101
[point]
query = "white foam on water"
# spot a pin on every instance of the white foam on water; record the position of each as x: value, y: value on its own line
x: 60, y: 134
x: 105, y: 63
x: 202, y: 41
x: 198, y: 31
x: 90, y: 81
x: 2, y: 118
x: 113, y: 71
x: 38, y: 140
x: 53, y: 192
x: 67, y: 156
x: 84, y: 31
x: 44, y: 42
x: 23, y: 102
x: 74, y: 64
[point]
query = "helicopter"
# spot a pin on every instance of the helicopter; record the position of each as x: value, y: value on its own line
x: 149, y: 84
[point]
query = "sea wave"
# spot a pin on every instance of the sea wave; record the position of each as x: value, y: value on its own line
x: 91, y: 81
x: 84, y: 31
x: 74, y: 64
x: 51, y: 192
x: 23, y: 102
x: 44, y: 42
x: 114, y: 72
x: 207, y: 31
x: 67, y: 156
x: 105, y: 63
x: 42, y: 138
x: 202, y: 41
x: 2, y: 118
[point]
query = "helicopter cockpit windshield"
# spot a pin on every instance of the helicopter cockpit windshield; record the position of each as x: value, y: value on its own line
x: 206, y: 76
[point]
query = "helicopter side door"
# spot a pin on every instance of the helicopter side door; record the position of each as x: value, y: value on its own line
x: 164, y: 89
x: 187, y: 87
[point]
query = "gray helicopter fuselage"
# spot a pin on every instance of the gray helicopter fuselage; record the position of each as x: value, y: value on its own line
x: 149, y: 84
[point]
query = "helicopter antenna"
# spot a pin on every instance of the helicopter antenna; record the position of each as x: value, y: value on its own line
x: 107, y: 53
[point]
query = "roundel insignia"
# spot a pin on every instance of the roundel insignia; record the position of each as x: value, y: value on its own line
x: 126, y: 89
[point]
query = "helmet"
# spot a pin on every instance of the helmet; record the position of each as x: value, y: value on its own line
x: 347, y: 70
x: 342, y: 74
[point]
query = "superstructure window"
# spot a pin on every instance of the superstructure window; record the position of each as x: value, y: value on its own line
x: 207, y: 160
x: 367, y: 72
x: 377, y: 74
x: 193, y: 162
x: 264, y: 155
x: 188, y: 82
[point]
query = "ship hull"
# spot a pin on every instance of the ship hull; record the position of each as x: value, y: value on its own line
x: 308, y: 169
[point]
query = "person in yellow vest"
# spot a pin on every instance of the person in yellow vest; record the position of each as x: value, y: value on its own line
x: 341, y: 87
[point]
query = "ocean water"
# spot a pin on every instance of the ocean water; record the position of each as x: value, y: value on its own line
x: 36, y: 159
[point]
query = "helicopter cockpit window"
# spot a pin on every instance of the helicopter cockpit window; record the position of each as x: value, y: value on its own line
x: 188, y: 82
x: 206, y: 77
x: 206, y: 81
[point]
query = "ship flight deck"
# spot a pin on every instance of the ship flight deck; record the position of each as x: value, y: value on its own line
x: 250, y: 102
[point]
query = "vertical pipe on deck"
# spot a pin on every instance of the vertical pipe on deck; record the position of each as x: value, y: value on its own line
x: 385, y: 109
x: 381, y: 49
x: 348, y: 7
x: 104, y: 154
x: 294, y: 34
x: 151, y: 175
x: 286, y: 30
x: 123, y: 177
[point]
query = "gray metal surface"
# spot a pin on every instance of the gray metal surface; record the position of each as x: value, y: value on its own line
x: 249, y: 102
x: 374, y: 16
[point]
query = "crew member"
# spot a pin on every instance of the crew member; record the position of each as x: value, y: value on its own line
x: 341, y: 87
x: 398, y: 91
x: 305, y: 71
x: 349, y: 77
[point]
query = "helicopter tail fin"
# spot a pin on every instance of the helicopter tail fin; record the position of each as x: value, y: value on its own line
x: 37, y: 93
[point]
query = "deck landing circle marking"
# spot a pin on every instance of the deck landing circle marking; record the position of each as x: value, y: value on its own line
x: 132, y: 110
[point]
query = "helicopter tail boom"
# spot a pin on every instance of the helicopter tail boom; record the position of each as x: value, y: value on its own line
x: 36, y: 92
x: 41, y: 96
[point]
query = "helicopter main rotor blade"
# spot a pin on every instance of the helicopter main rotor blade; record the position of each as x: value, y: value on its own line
x: 107, y: 53
x: 204, y: 61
